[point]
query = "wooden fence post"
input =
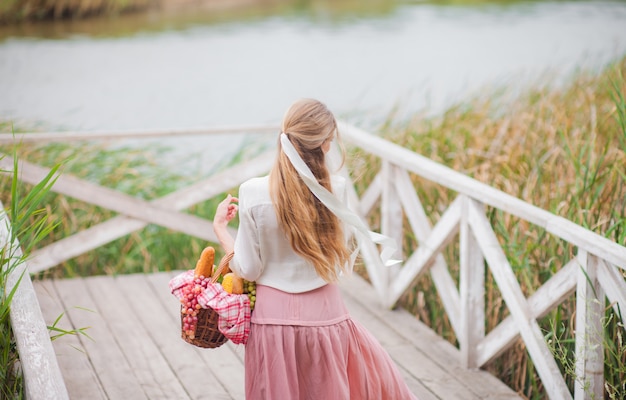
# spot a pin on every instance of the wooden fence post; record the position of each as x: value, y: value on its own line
x: 391, y: 215
x: 472, y: 290
x: 589, y: 330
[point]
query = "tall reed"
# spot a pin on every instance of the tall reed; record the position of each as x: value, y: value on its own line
x: 561, y: 149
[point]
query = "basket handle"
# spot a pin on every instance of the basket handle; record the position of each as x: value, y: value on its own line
x: 222, y: 266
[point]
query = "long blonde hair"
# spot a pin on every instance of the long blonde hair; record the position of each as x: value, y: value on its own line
x: 313, y: 231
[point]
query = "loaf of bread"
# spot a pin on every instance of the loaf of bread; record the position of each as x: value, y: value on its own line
x: 232, y: 283
x: 204, y: 266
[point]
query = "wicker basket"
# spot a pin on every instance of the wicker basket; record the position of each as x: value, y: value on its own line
x: 207, y: 334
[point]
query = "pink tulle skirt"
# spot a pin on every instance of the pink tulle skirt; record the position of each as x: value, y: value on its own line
x: 306, y: 346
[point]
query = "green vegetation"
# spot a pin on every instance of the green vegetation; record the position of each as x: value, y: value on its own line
x: 29, y: 225
x: 562, y: 149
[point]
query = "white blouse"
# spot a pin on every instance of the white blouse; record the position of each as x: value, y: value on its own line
x: 262, y: 251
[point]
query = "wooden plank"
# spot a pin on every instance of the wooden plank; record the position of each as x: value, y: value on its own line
x: 472, y: 288
x: 518, y: 306
x: 449, y: 178
x: 223, y: 366
x: 67, y: 136
x: 441, y: 235
x: 116, y: 227
x: 123, y: 311
x: 418, y: 220
x: 42, y: 375
x: 420, y: 224
x: 79, y: 375
x: 589, y: 330
x: 115, y: 373
x: 587, y: 240
x: 441, y: 353
x: 371, y: 195
x: 417, y: 388
x: 373, y: 263
x: 614, y: 286
x: 552, y: 293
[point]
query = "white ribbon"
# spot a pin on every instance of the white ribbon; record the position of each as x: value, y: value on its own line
x: 335, y: 205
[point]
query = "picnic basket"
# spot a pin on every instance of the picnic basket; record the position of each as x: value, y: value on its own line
x: 207, y: 334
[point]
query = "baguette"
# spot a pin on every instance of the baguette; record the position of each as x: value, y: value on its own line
x: 204, y: 266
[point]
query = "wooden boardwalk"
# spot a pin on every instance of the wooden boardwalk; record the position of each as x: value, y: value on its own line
x: 135, y: 350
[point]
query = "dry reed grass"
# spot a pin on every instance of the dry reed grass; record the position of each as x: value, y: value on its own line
x: 563, y: 150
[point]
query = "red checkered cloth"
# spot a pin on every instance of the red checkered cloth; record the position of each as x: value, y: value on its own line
x: 233, y: 309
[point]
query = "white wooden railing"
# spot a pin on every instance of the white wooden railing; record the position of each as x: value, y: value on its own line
x: 593, y: 274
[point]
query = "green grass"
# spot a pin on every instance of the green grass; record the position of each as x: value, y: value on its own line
x: 29, y: 225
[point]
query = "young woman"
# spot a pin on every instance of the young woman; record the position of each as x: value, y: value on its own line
x: 292, y: 242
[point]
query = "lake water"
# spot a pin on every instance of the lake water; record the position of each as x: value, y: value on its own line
x: 177, y: 70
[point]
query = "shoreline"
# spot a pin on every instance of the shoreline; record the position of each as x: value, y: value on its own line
x: 19, y: 11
